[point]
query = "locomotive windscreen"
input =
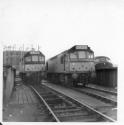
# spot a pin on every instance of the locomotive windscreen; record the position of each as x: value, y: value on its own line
x: 41, y: 58
x: 35, y: 58
x: 28, y: 59
x: 82, y: 54
x: 73, y: 55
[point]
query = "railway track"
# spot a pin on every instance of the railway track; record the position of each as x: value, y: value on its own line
x: 65, y: 109
x: 103, y: 95
x: 103, y: 90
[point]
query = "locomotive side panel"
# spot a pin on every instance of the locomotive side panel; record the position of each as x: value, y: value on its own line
x: 56, y: 65
x: 50, y: 66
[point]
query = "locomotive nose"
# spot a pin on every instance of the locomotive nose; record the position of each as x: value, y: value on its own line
x: 74, y: 75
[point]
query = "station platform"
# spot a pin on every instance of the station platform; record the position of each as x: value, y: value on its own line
x: 22, y: 107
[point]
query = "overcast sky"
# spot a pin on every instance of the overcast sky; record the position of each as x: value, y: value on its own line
x: 57, y: 25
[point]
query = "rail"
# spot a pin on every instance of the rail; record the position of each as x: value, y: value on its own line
x: 101, y: 114
x: 46, y: 104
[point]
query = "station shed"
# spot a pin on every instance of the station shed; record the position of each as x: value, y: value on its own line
x: 107, y: 76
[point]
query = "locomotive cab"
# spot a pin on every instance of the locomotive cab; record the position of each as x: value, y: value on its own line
x: 81, y: 63
x: 34, y: 67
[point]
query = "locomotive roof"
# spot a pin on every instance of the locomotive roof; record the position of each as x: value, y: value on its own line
x: 33, y: 53
x: 106, y: 65
x: 97, y: 57
x: 76, y: 47
x: 80, y: 47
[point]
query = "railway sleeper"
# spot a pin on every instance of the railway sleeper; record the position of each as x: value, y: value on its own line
x: 43, y: 93
x: 42, y: 113
x: 67, y: 110
x: 100, y: 98
x: 74, y: 113
x: 104, y: 109
x: 49, y: 118
x: 49, y: 99
x: 42, y: 107
x: 56, y: 107
x: 58, y: 102
x: 63, y: 108
x: 83, y: 118
x: 49, y: 96
x: 46, y: 93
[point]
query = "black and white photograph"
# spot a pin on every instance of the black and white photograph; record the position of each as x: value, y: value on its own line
x: 59, y: 60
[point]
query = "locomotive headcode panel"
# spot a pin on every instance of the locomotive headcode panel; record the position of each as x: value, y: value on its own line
x: 78, y: 60
x: 81, y: 47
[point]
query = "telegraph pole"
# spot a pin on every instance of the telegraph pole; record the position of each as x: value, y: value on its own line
x: 10, y: 55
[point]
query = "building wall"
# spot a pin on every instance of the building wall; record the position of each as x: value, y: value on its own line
x: 8, y: 83
x: 13, y: 58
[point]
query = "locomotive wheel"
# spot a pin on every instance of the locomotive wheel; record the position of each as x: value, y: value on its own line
x: 56, y: 80
x: 66, y: 80
x: 61, y: 78
x: 84, y: 84
x: 70, y: 81
x: 74, y: 84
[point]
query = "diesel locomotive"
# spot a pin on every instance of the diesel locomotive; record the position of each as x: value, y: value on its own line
x: 72, y: 67
x: 34, y: 67
x: 102, y: 62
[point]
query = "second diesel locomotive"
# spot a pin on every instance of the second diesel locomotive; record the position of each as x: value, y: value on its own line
x: 102, y: 62
x: 34, y: 67
x: 72, y: 67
